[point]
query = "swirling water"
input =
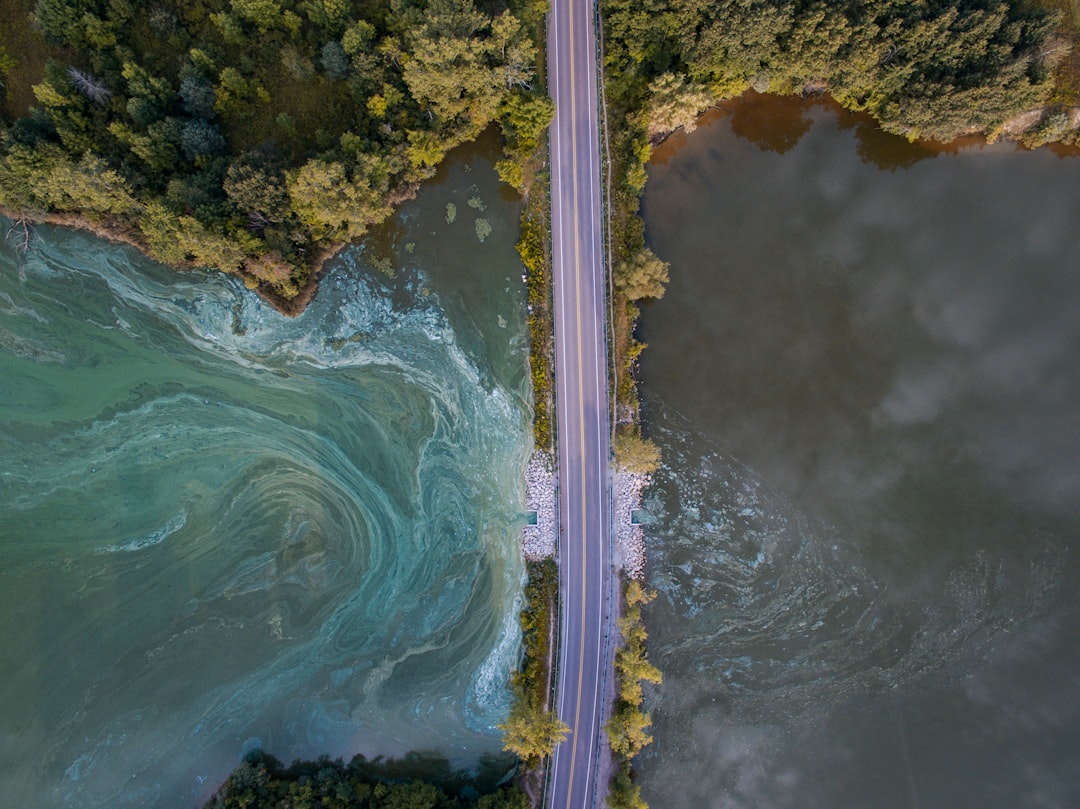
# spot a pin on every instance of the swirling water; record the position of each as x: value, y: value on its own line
x: 863, y: 379
x: 221, y: 528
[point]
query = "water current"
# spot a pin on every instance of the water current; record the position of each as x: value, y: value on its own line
x: 221, y: 528
x: 863, y: 377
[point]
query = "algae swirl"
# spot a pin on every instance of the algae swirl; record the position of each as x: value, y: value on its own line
x: 223, y: 528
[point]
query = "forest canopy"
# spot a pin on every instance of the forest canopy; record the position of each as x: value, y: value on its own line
x: 923, y: 68
x: 262, y: 782
x: 251, y: 135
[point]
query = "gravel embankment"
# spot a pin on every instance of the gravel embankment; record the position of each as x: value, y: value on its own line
x: 629, y: 539
x: 538, y: 541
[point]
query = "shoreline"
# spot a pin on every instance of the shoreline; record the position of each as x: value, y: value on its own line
x: 117, y: 234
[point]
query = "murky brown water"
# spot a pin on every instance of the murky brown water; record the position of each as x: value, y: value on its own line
x: 864, y: 379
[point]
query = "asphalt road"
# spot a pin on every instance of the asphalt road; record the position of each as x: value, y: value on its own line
x: 581, y: 393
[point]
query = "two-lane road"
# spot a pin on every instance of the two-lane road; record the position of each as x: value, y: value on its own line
x: 582, y: 399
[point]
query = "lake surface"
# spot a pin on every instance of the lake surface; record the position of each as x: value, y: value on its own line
x: 864, y: 380
x: 221, y: 528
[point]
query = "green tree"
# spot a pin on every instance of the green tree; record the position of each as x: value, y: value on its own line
x: 511, y: 173
x: 449, y: 77
x: 635, y: 454
x: 624, y: 793
x: 513, y: 51
x: 335, y: 203
x: 237, y: 95
x: 643, y: 275
x: 334, y: 61
x: 532, y: 734
x: 627, y: 730
x: 256, y: 185
x: 674, y: 103
x: 158, y: 146
x: 201, y: 139
x: 524, y: 117
x: 198, y: 96
x: 332, y: 16
x: 266, y: 15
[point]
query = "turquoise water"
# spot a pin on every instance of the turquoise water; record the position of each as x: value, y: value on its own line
x: 222, y: 528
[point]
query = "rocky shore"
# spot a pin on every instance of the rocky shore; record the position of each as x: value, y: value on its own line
x: 538, y: 541
x: 629, y: 538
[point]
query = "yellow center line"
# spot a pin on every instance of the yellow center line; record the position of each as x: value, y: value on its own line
x: 581, y: 398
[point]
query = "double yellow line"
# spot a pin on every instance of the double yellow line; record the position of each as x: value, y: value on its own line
x: 581, y: 396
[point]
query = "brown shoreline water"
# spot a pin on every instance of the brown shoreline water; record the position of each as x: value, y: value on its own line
x: 862, y: 379
x: 777, y: 123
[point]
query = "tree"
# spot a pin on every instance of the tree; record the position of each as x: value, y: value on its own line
x: 624, y: 793
x: 635, y: 454
x: 628, y: 727
x: 334, y: 61
x: 91, y: 87
x: 158, y: 146
x: 514, y: 52
x: 237, y: 95
x: 642, y: 276
x: 511, y: 173
x: 674, y: 103
x: 532, y: 734
x: 524, y: 117
x: 198, y: 96
x: 332, y: 16
x: 335, y: 204
x: 266, y: 15
x: 201, y: 139
x: 43, y: 177
x: 627, y: 730
x: 463, y: 63
x: 256, y: 185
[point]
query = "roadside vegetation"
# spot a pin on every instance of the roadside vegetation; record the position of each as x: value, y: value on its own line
x: 535, y: 255
x: 628, y: 728
x: 263, y: 782
x: 254, y: 136
x: 533, y: 730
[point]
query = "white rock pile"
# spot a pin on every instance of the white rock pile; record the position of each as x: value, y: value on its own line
x: 538, y: 541
x: 629, y: 538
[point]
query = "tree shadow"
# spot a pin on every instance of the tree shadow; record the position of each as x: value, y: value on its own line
x: 772, y: 123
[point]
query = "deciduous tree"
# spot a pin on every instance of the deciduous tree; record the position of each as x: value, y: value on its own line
x: 643, y: 275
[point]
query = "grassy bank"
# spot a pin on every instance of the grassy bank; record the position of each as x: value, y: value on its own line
x: 628, y: 728
x: 533, y: 246
x: 532, y: 730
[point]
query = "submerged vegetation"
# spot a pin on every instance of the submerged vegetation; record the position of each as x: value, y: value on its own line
x: 255, y: 136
